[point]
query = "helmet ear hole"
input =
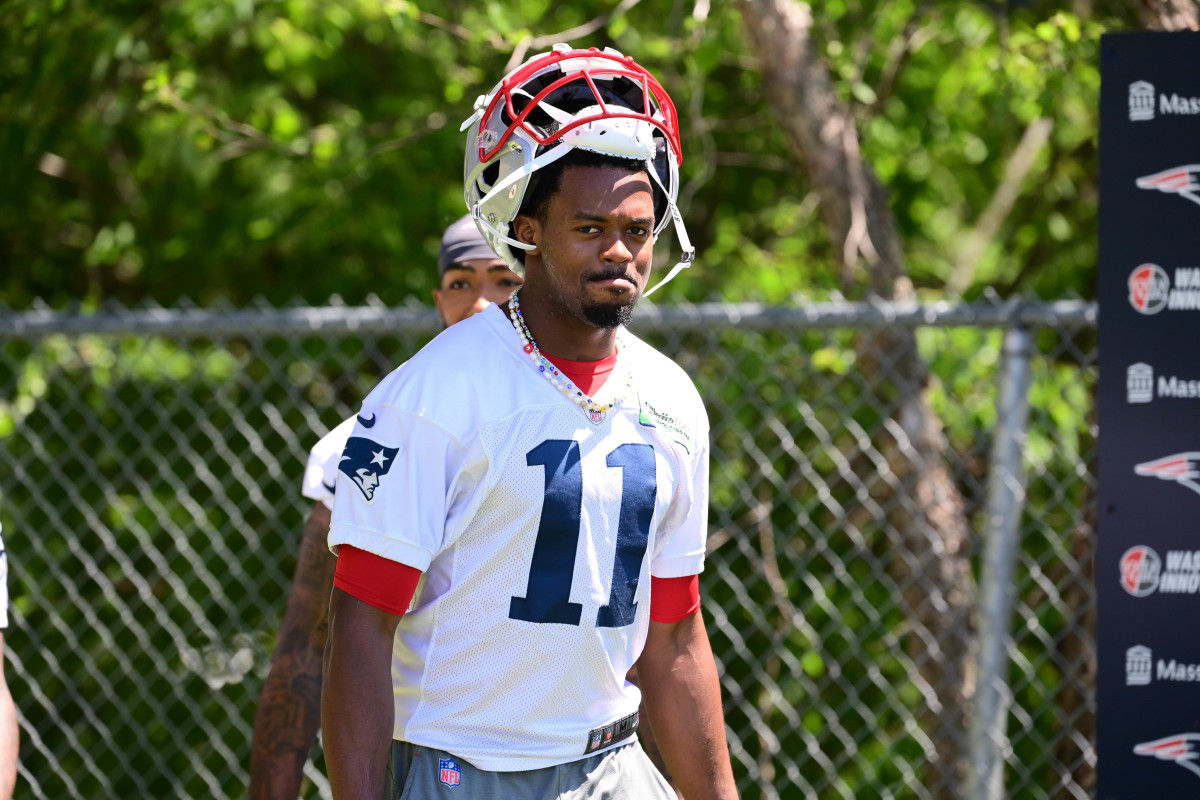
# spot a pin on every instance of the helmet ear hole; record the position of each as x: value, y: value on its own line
x: 491, y: 173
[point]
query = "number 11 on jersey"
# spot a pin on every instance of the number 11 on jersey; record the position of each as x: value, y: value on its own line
x: 548, y: 593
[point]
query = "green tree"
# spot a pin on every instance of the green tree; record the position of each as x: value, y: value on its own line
x: 201, y: 149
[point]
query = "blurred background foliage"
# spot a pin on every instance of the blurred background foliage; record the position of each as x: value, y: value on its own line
x: 223, y: 150
x: 219, y: 151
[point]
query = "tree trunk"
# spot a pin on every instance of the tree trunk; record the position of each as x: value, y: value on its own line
x: 925, y: 508
x: 1170, y: 15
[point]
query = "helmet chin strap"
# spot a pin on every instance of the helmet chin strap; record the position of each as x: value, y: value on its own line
x: 689, y: 252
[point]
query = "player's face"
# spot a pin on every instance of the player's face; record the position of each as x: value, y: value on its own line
x: 469, y: 287
x: 595, y: 244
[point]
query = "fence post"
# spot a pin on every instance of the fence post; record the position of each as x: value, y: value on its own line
x: 1005, y: 502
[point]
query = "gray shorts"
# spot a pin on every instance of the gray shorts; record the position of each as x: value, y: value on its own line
x: 623, y: 773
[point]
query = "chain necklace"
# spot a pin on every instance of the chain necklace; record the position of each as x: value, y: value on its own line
x: 553, y: 374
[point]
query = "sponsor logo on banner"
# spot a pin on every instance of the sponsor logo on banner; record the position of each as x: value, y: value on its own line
x: 1138, y: 664
x: 1141, y: 668
x: 1182, y: 748
x: 449, y: 772
x: 1183, y: 468
x: 1141, y: 386
x: 1143, y: 573
x: 1141, y: 101
x: 1152, y: 289
x: 1149, y: 289
x: 1139, y: 383
x: 1140, y: 568
x: 1169, y: 104
x: 1174, y: 386
x: 1176, y: 671
x: 1183, y: 181
x: 1145, y: 101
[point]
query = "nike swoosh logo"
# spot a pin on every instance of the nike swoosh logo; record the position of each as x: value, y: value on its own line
x: 331, y: 489
x: 367, y: 423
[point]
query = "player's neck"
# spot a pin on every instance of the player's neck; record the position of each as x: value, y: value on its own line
x: 563, y: 336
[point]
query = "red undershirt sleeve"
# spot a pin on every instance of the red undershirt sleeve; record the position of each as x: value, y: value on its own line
x: 673, y: 599
x: 377, y: 581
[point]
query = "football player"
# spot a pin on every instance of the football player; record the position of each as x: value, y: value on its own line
x: 288, y: 714
x: 542, y: 474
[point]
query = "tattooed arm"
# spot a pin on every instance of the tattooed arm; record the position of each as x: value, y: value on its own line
x: 289, y: 711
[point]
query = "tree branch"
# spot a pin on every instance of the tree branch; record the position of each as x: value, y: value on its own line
x: 1005, y: 197
x: 1170, y: 15
x: 586, y: 29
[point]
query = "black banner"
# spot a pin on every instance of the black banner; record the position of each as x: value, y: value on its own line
x: 1148, y: 560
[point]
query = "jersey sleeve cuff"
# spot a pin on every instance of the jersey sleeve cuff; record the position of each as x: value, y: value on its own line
x: 678, y: 567
x: 380, y: 545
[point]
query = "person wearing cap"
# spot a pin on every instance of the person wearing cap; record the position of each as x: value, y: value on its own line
x: 472, y: 277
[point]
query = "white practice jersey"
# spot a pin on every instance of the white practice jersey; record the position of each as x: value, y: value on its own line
x: 538, y: 529
x: 320, y: 473
x: 320, y: 484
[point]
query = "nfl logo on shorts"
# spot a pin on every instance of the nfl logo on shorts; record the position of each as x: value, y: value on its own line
x: 449, y: 772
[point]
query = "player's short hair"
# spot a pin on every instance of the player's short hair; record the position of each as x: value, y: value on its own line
x: 546, y: 182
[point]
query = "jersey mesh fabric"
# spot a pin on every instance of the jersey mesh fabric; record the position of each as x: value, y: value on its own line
x: 484, y: 446
x: 320, y: 473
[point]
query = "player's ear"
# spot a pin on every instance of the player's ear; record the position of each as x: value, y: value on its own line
x: 527, y: 229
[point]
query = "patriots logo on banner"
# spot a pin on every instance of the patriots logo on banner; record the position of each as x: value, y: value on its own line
x: 1183, y: 468
x: 365, y: 462
x: 1183, y: 181
x: 1180, y: 748
x: 448, y: 772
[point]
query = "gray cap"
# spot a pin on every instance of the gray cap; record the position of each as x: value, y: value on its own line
x: 462, y: 242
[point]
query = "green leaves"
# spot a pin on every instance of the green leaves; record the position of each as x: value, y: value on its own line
x: 255, y: 140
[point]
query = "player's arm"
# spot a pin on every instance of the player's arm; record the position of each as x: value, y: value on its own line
x: 683, y: 696
x: 356, y: 707
x: 370, y: 594
x: 646, y: 735
x: 289, y: 710
x: 8, y: 734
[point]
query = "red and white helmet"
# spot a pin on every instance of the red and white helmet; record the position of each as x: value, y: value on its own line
x: 598, y: 100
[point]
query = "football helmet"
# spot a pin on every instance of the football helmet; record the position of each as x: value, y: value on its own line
x: 598, y: 100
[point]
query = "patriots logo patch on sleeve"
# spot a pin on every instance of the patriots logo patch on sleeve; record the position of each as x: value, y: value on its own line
x: 365, y: 462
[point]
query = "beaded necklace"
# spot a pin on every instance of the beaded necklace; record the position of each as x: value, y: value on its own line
x: 553, y: 374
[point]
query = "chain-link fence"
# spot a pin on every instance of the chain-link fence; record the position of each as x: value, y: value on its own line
x: 150, y: 463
